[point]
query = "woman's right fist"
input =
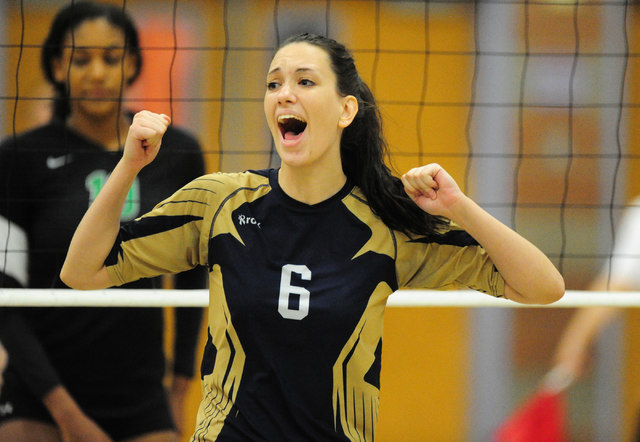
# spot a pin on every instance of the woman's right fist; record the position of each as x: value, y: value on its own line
x: 145, y: 137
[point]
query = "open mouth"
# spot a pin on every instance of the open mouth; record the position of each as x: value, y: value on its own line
x: 291, y: 126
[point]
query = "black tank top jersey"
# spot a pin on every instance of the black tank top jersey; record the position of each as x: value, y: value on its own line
x: 297, y: 297
x: 49, y: 176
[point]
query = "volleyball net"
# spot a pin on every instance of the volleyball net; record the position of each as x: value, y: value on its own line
x: 530, y: 105
x: 200, y: 298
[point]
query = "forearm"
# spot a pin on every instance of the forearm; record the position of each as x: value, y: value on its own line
x: 529, y: 275
x: 95, y: 235
x: 177, y: 395
x: 73, y: 423
x: 577, y: 340
x: 4, y: 360
x: 60, y: 404
x: 585, y: 324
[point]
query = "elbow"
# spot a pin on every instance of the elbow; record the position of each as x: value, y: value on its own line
x: 554, y: 291
x: 546, y: 292
x: 73, y: 280
x: 79, y: 277
x: 67, y: 276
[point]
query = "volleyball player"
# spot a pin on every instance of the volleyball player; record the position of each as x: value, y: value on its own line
x: 87, y: 373
x: 572, y: 354
x: 303, y: 258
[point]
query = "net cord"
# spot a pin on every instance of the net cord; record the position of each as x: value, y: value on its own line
x: 200, y: 298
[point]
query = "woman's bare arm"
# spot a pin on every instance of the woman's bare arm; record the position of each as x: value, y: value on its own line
x: 530, y: 276
x: 95, y: 235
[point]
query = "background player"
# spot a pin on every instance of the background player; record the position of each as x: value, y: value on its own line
x: 573, y: 351
x: 87, y: 373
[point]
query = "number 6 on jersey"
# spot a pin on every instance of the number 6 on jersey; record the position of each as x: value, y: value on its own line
x: 286, y: 289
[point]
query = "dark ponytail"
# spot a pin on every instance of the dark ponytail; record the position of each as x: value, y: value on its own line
x: 67, y: 20
x: 363, y: 148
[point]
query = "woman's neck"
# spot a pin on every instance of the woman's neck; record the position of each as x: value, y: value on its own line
x: 311, y: 187
x: 108, y: 132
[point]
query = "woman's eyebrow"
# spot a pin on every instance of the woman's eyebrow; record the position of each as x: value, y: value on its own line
x: 302, y: 69
x: 76, y: 47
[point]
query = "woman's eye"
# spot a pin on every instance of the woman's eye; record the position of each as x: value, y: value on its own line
x: 306, y: 82
x: 80, y: 61
x: 271, y: 85
x: 112, y: 60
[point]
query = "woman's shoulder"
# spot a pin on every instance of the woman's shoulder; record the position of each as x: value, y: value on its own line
x: 215, y: 189
x: 227, y: 182
x: 34, y: 137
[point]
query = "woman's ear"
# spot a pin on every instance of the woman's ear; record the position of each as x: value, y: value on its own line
x: 349, y: 111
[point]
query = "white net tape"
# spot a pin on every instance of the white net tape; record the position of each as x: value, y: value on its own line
x: 200, y: 298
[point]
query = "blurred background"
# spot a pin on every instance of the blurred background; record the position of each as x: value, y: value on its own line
x: 531, y: 107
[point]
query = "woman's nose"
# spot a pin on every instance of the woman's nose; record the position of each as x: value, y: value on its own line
x: 286, y: 94
x: 97, y: 69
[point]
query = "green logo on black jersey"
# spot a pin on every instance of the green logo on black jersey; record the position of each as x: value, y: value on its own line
x: 96, y: 180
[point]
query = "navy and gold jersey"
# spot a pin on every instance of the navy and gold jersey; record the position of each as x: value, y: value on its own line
x: 297, y: 299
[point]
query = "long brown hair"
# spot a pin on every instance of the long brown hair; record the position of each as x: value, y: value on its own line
x: 363, y: 148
